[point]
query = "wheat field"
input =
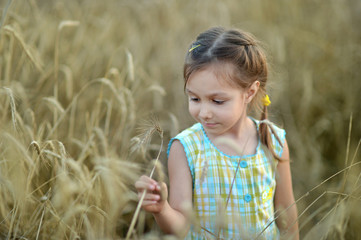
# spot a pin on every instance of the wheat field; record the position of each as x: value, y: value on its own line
x: 85, y: 86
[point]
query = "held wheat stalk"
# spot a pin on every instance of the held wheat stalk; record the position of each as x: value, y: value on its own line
x: 157, y: 128
x: 135, y: 217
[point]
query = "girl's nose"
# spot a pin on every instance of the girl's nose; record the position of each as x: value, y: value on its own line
x: 205, y: 112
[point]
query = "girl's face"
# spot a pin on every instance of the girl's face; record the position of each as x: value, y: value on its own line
x: 216, y: 103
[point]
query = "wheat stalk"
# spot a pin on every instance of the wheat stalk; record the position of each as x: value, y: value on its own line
x: 5, y: 10
x: 106, y: 82
x: 307, y: 194
x: 9, y: 60
x: 55, y: 103
x: 62, y: 24
x: 68, y: 81
x: 347, y: 156
x: 12, y: 105
x: 130, y: 65
x: 36, y: 61
x: 154, y: 127
x: 346, y: 196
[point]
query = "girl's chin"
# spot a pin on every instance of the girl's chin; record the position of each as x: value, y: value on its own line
x: 213, y: 130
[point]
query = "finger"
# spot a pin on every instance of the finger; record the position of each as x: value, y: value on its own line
x: 163, y: 191
x: 158, y: 187
x: 148, y: 203
x: 141, y: 185
x: 147, y: 179
x: 145, y: 182
x: 150, y: 197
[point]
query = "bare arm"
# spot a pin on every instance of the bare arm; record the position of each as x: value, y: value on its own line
x: 286, y: 222
x: 170, y: 216
x: 172, y: 219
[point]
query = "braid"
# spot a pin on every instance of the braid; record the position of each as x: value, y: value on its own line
x: 265, y: 135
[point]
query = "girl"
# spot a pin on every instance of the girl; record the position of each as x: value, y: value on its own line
x: 234, y: 195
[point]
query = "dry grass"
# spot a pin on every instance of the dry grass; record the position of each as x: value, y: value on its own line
x: 76, y: 79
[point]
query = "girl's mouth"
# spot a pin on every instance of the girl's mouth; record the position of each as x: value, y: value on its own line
x: 209, y: 125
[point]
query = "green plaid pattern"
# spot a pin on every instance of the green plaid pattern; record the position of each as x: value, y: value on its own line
x: 250, y: 206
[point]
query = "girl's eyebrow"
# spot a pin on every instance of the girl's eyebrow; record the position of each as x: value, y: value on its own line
x: 218, y: 94
x: 189, y: 91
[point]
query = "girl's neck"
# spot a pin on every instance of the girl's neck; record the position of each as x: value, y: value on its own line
x: 243, y: 133
x: 241, y: 129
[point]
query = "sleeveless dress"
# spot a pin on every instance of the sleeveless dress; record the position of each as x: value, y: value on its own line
x: 231, y: 203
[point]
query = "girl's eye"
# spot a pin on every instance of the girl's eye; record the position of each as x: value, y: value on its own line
x: 193, y: 99
x: 218, y: 102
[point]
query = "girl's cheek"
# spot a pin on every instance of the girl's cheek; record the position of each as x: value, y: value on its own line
x: 192, y: 110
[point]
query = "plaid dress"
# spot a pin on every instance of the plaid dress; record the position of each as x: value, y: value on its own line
x: 245, y: 213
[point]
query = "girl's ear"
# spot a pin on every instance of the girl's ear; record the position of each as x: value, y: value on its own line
x: 252, y: 91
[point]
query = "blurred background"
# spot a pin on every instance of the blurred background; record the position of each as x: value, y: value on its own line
x: 78, y: 78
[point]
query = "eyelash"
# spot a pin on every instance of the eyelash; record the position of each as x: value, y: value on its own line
x: 218, y: 102
x: 194, y: 99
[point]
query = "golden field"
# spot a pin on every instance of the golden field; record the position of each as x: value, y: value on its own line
x: 78, y: 79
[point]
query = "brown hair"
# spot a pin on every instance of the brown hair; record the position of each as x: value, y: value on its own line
x: 243, y: 51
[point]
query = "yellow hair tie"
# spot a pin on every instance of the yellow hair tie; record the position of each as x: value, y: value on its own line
x: 190, y: 50
x: 266, y: 102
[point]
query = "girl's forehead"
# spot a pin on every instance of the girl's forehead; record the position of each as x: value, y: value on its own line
x: 224, y: 72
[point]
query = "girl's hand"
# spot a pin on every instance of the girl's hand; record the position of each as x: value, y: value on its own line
x: 156, y: 195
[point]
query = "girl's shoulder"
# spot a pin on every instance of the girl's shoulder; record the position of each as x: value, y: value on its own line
x: 189, y: 137
x: 194, y: 131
